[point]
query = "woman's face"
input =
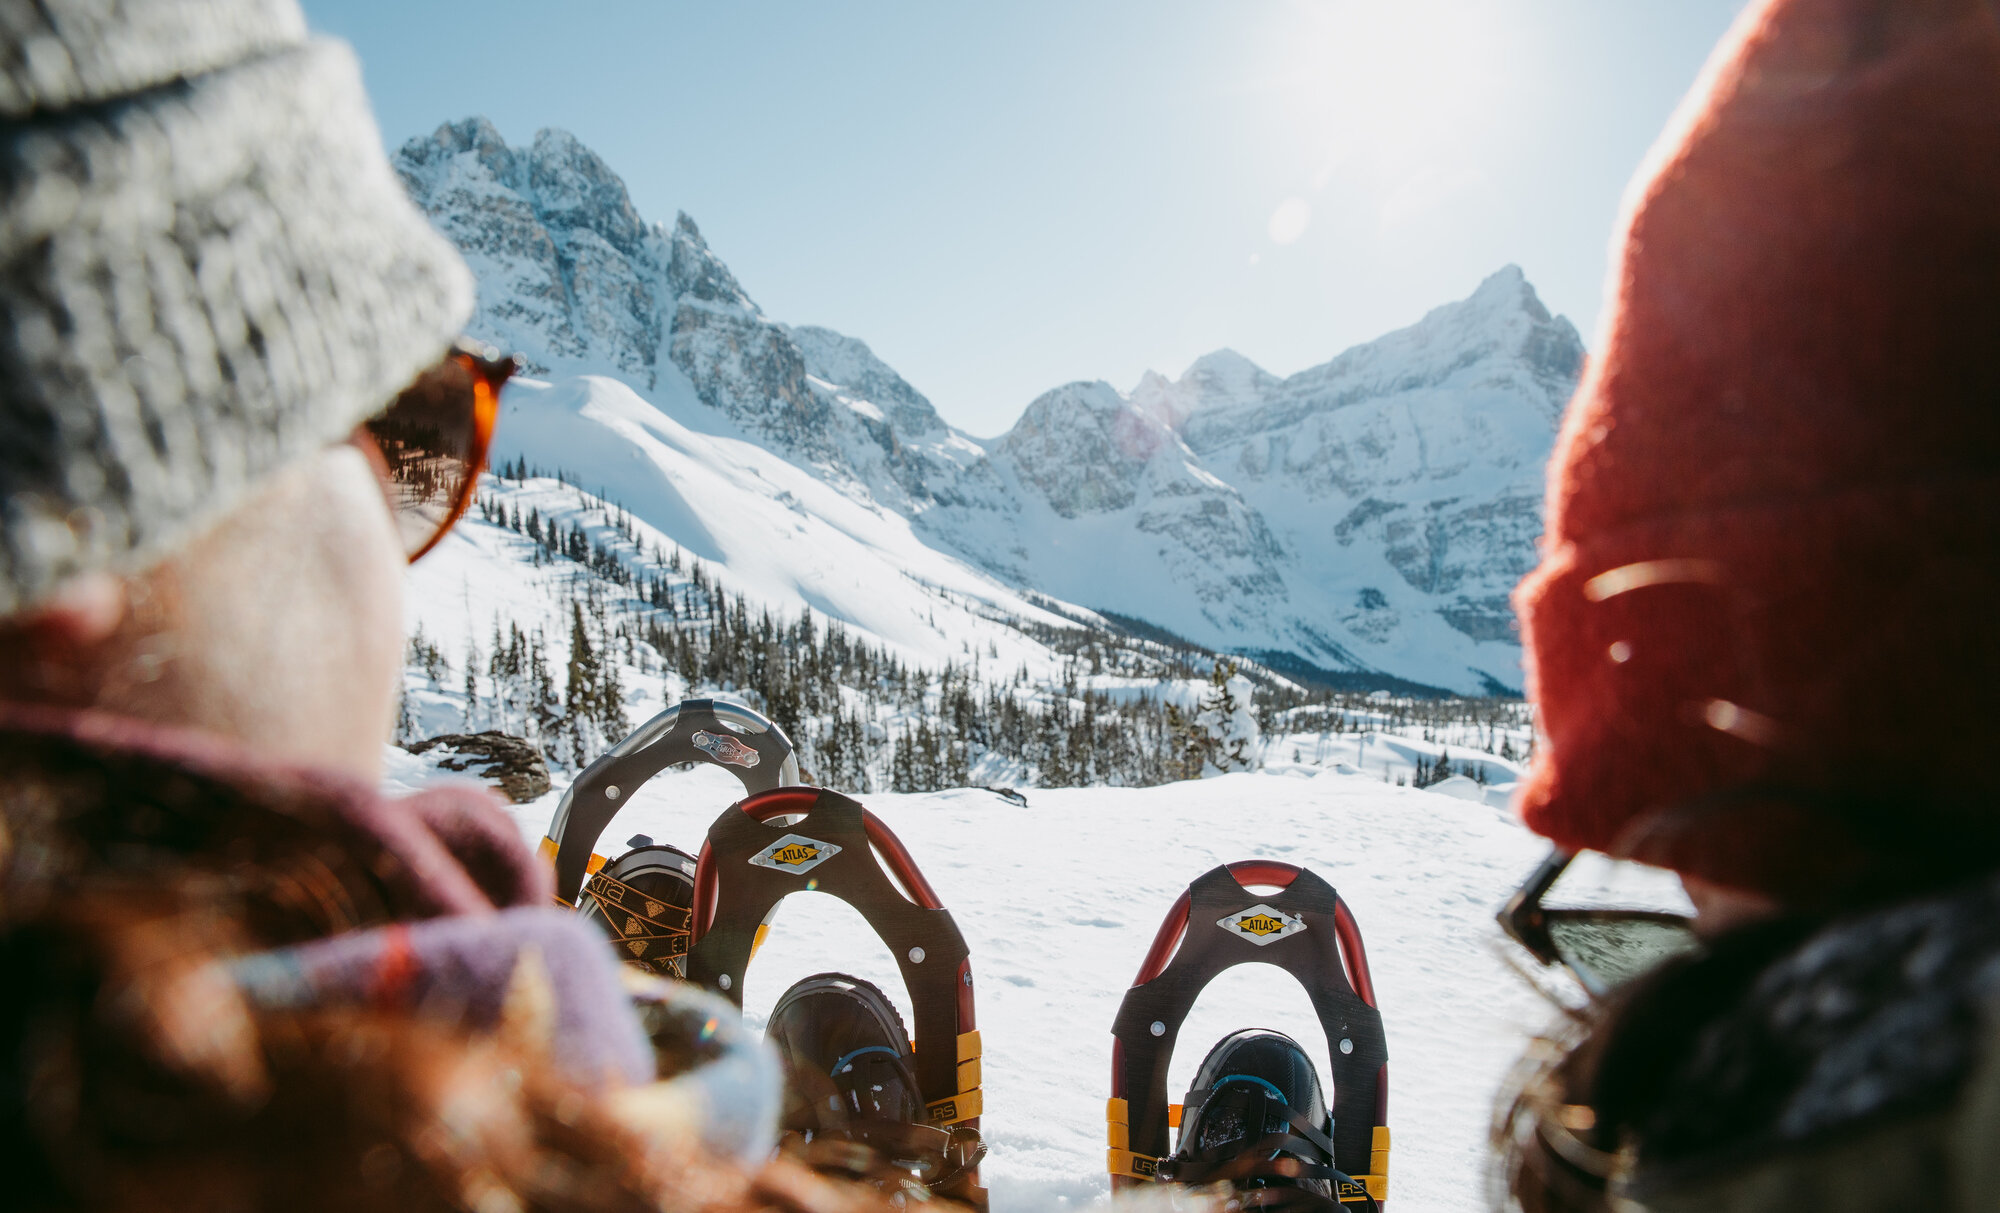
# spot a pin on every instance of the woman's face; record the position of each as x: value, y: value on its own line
x: 280, y: 626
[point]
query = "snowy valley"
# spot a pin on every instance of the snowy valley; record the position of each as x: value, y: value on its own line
x: 1005, y: 645
x: 1357, y: 525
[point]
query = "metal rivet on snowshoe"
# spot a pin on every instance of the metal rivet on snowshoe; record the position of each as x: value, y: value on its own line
x: 916, y: 956
x: 1346, y: 1045
x: 967, y: 977
x: 1159, y: 1029
x: 723, y: 981
x: 610, y: 791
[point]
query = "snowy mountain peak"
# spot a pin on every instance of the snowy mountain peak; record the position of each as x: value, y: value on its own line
x: 575, y: 189
x: 696, y: 273
x: 1509, y: 282
x: 1226, y: 373
x: 1362, y: 519
x: 1215, y: 380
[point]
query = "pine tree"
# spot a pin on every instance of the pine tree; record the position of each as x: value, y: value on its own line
x: 580, y: 694
x: 609, y: 713
x: 472, y: 688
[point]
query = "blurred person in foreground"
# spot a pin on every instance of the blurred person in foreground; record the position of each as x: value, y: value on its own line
x: 231, y: 976
x: 1763, y: 643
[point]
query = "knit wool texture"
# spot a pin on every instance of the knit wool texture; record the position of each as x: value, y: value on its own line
x: 207, y: 270
x: 1761, y: 641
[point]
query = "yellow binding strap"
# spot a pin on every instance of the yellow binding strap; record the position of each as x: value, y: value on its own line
x: 961, y: 1107
x: 1131, y: 1165
x: 1362, y: 1187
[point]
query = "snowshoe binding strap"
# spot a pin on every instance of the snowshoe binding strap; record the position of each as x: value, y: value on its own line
x: 728, y: 735
x: 1286, y: 1170
x: 831, y: 1127
x: 914, y: 1161
x: 1304, y: 929
x: 650, y: 927
x: 830, y: 844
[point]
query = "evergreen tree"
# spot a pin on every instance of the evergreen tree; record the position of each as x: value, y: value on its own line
x: 472, y: 688
x: 581, y: 692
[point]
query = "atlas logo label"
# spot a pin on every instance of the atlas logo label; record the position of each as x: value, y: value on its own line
x: 1260, y: 924
x: 725, y: 749
x: 795, y: 853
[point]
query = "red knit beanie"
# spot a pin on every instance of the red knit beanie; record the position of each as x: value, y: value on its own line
x: 1764, y: 638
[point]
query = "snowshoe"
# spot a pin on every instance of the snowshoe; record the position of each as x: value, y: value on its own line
x: 852, y: 1104
x: 643, y: 898
x: 1256, y: 1117
x: 781, y: 842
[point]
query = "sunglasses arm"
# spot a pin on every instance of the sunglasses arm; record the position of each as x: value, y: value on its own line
x: 1522, y: 918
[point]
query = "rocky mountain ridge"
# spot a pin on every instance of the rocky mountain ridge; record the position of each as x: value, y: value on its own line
x: 1360, y: 520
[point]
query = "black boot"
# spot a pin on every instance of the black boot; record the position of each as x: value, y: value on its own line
x: 1257, y: 1119
x: 852, y: 1104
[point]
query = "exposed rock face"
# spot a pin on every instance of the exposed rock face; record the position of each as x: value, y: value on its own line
x: 1367, y: 514
x: 848, y: 361
x: 510, y: 763
x: 571, y: 276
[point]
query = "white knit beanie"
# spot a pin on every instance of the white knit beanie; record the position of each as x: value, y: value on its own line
x: 207, y: 269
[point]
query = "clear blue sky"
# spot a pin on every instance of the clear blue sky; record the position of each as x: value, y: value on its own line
x: 1003, y: 197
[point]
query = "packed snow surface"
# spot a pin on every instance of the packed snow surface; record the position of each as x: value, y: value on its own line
x: 1060, y: 899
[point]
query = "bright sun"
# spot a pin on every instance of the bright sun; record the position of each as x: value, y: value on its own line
x: 1382, y: 93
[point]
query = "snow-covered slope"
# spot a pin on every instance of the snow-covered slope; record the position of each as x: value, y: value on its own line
x: 781, y: 535
x: 1363, y: 517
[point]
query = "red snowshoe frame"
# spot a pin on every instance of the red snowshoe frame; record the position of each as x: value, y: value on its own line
x: 1304, y: 929
x: 831, y: 844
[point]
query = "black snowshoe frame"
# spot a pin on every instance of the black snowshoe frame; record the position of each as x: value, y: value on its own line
x: 830, y: 844
x: 1306, y: 930
x: 722, y: 734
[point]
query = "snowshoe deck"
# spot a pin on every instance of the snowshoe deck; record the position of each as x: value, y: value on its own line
x: 829, y: 844
x: 1304, y: 929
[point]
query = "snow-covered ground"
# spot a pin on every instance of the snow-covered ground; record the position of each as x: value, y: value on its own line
x: 1059, y: 900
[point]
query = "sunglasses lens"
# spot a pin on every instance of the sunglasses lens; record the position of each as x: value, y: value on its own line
x: 1605, y: 951
x: 433, y: 440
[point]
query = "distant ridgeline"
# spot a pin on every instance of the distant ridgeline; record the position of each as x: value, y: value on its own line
x: 1355, y: 525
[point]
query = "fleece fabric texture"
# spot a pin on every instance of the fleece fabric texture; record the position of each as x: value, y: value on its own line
x: 428, y: 905
x: 464, y: 971
x: 1761, y: 639
x: 89, y: 797
x: 207, y: 270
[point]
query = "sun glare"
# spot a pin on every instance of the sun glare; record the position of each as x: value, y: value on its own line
x: 1382, y: 96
